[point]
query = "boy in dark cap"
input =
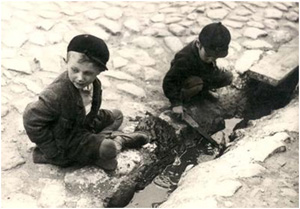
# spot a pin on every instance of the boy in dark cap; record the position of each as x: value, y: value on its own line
x: 193, y: 69
x: 66, y: 122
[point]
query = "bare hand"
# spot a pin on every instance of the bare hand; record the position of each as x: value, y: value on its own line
x: 178, y: 109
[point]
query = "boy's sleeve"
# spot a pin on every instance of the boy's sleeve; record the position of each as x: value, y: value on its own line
x: 173, y: 82
x: 38, y: 118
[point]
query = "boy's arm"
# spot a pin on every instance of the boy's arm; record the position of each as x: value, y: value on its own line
x: 172, y: 82
x: 38, y: 118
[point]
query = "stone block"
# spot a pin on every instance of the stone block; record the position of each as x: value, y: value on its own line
x: 113, y: 13
x: 247, y: 60
x: 274, y: 68
x: 118, y: 75
x: 217, y: 13
x: 17, y: 64
x: 119, y: 62
x: 254, y: 33
x: 110, y: 25
x: 132, y: 89
x: 173, y: 43
x: 133, y: 24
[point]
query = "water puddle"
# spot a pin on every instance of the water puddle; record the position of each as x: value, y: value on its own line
x: 164, y: 184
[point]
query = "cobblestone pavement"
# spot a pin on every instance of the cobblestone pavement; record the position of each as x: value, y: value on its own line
x: 142, y: 38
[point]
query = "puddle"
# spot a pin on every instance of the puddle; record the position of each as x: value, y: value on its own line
x: 163, y: 185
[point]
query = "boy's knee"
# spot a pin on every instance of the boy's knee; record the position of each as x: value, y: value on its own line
x: 191, y: 87
x: 117, y: 114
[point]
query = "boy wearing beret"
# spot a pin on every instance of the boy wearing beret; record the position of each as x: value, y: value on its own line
x: 193, y: 70
x: 67, y: 124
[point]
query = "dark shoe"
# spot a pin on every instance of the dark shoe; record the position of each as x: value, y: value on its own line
x: 132, y: 140
x: 107, y: 149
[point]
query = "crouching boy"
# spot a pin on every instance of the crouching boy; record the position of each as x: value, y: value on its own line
x: 67, y: 124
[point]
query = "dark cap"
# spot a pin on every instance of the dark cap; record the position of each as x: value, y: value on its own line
x: 215, y: 39
x: 93, y: 47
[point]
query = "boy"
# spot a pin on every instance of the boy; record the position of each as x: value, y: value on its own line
x: 194, y: 70
x: 66, y: 123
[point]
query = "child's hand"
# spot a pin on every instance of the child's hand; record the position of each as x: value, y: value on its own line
x: 178, y: 109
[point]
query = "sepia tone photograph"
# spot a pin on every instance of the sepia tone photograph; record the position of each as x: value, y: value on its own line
x: 149, y: 104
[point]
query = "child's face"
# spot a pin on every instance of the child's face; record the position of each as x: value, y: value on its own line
x: 81, y: 74
x: 202, y: 54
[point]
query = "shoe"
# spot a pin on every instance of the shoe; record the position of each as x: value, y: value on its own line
x: 132, y: 140
x: 107, y: 149
x: 107, y: 165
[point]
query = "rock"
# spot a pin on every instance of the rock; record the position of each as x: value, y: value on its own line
x: 134, y: 69
x: 45, y: 24
x: 119, y: 62
x: 132, y: 24
x: 31, y: 85
x: 96, y: 31
x: 168, y: 10
x: 292, y: 16
x: 11, y: 185
x: 145, y: 60
x: 280, y: 6
x: 13, y: 38
x: 89, y: 179
x: 177, y: 30
x: 233, y: 24
x: 200, y: 9
x: 19, y: 200
x: 226, y: 188
x: 217, y: 13
x: 18, y: 64
x: 144, y: 42
x: 21, y: 103
x: 127, y: 161
x: 152, y: 75
x: 110, y: 95
x: 289, y: 192
x: 255, y: 24
x: 239, y: 18
x: 118, y: 75
x: 230, y: 4
x: 132, y: 89
x: 281, y: 36
x: 49, y: 14
x: 54, y: 38
x: 247, y: 171
x: 257, y: 44
x: 243, y: 12
x: 259, y: 4
x: 113, y: 13
x: 157, y: 18
x: 254, y: 33
x: 247, y: 60
x: 270, y: 23
x: 192, y: 16
x: 215, y: 5
x: 273, y: 13
x: 173, y: 43
x: 53, y: 195
x: 172, y: 19
x: 12, y: 157
x: 4, y: 111
x: 110, y: 25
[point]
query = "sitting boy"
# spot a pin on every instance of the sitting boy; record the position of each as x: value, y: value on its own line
x: 66, y: 123
x: 193, y: 69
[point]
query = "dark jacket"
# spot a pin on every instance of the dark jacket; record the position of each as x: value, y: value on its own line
x: 187, y: 63
x: 57, y: 121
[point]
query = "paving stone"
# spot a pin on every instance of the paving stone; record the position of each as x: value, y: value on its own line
x: 53, y: 195
x: 113, y: 13
x: 145, y: 60
x: 132, y: 89
x: 273, y: 13
x: 259, y: 4
x: 49, y: 14
x: 4, y: 111
x: 38, y: 38
x: 100, y: 5
x: 226, y: 188
x: 257, y: 44
x: 254, y: 33
x: 239, y: 18
x: 96, y: 31
x: 270, y: 23
x: 247, y: 60
x: 250, y: 7
x: 133, y: 69
x: 128, y: 161
x: 247, y: 171
x: 233, y: 24
x: 275, y: 67
x: 280, y: 6
x: 192, y: 16
x: 217, y: 13
x: 168, y: 11
x: 172, y: 19
x: 289, y: 192
x: 13, y: 38
x: 281, y: 36
x: 21, y: 103
x: 292, y: 16
x: 152, y: 75
x: 133, y: 24
x: 109, y: 95
x: 31, y: 85
x: 118, y: 75
x: 243, y: 12
x: 21, y: 65
x: 157, y: 18
x: 177, y: 29
x: 173, y: 43
x: 256, y: 24
x: 93, y: 14
x: 144, y: 42
x: 119, y: 62
x: 200, y: 9
x: 45, y: 24
x: 19, y: 200
x: 11, y: 157
x: 112, y: 26
x: 230, y: 4
x: 215, y: 5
